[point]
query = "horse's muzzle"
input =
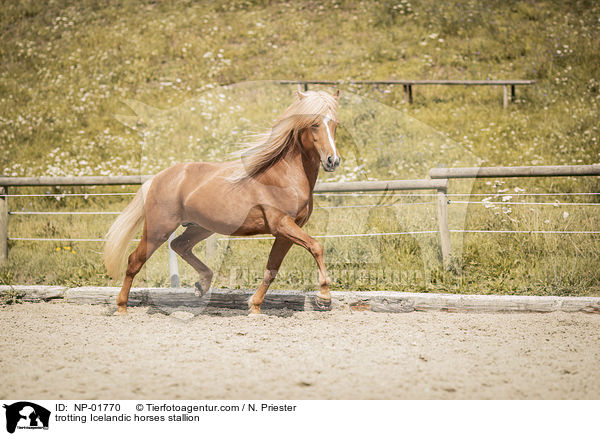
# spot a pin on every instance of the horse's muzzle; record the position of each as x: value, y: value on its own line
x: 331, y: 163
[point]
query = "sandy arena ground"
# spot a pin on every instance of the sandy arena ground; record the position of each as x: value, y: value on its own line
x: 60, y: 350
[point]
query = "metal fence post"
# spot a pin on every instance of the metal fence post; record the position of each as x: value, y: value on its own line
x: 442, y: 204
x: 173, y: 267
x: 3, y: 224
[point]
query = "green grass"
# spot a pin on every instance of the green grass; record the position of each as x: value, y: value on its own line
x: 92, y: 88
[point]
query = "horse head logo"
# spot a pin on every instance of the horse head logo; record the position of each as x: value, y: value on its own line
x: 27, y: 415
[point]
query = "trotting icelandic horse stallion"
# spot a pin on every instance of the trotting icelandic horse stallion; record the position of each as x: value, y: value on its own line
x: 269, y: 190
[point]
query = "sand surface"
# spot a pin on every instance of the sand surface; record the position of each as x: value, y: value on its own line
x: 60, y: 350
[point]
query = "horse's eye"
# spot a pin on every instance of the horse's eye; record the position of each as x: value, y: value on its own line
x: 315, y: 126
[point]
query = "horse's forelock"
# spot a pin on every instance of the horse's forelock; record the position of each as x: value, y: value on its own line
x: 310, y: 106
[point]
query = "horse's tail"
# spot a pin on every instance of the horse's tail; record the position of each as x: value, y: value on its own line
x: 122, y: 231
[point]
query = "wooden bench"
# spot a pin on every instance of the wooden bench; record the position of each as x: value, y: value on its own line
x: 408, y: 85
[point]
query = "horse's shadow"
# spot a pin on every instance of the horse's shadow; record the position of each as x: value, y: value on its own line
x: 223, y: 312
x: 233, y: 306
x: 216, y: 312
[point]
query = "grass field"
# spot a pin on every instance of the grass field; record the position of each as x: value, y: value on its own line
x: 101, y: 88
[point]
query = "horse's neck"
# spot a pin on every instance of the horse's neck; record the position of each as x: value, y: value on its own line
x: 304, y: 166
x: 297, y: 169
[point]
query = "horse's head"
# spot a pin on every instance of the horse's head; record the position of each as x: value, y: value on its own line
x: 319, y: 136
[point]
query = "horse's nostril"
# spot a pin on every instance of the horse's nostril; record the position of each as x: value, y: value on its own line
x: 330, y: 160
x: 338, y: 161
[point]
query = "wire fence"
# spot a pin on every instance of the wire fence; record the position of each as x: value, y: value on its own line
x: 479, y: 194
x: 337, y: 194
x: 355, y: 206
x: 555, y: 204
x: 105, y: 194
x: 357, y: 194
x: 356, y: 235
x: 382, y: 194
x: 60, y: 213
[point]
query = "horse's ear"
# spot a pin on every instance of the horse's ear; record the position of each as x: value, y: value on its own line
x: 301, y: 94
x: 336, y: 94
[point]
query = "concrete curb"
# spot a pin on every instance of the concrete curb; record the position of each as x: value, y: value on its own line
x: 376, y: 301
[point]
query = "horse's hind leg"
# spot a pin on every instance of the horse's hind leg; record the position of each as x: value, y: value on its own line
x: 147, y: 246
x: 183, y: 245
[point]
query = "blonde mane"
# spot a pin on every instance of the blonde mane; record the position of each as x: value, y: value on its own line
x: 267, y: 148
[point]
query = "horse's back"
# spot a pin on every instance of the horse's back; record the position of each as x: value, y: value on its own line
x: 187, y: 176
x: 207, y: 196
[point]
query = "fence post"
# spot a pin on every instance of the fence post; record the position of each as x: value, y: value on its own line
x: 408, y: 96
x: 3, y: 224
x: 173, y: 267
x: 505, y: 96
x: 442, y: 203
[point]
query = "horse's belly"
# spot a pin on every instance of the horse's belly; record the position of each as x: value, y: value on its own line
x: 227, y: 218
x: 254, y: 224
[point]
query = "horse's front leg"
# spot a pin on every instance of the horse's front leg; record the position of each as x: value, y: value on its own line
x: 288, y: 228
x: 278, y: 251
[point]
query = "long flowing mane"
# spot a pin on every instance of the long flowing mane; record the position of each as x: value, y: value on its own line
x: 265, y: 149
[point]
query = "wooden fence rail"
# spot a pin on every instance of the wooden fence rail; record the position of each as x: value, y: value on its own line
x: 407, y: 85
x: 73, y: 181
x: 525, y: 171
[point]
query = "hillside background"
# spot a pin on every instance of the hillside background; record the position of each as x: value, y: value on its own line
x: 83, y: 83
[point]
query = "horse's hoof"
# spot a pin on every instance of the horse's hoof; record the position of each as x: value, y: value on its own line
x: 254, y: 310
x: 199, y: 291
x: 322, y: 303
x: 120, y: 311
